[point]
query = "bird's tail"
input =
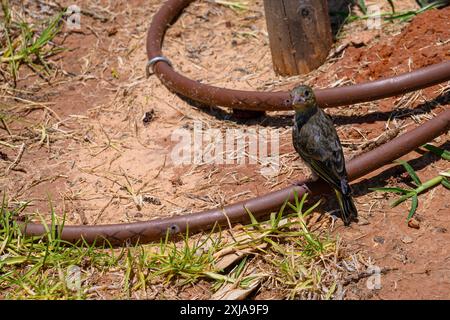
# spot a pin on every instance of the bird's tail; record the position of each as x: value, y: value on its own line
x: 348, y: 209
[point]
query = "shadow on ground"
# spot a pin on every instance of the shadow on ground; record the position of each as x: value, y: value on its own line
x: 282, y: 121
x: 380, y: 180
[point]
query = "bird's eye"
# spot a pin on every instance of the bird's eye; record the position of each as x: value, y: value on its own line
x: 307, y: 94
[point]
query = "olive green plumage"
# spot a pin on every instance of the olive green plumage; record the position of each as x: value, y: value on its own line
x: 316, y: 141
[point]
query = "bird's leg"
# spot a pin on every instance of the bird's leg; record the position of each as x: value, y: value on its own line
x: 314, y: 176
x: 333, y: 220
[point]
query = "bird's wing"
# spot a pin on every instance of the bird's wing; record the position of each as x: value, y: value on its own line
x: 325, y: 157
x: 324, y: 171
x: 318, y: 144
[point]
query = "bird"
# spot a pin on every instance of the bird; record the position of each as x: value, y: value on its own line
x: 316, y: 141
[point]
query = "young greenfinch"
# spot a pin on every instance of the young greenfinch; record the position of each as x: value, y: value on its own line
x: 316, y: 141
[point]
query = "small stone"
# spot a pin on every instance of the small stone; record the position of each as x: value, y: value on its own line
x: 414, y: 223
x: 407, y: 239
x: 378, y: 239
x: 148, y: 116
x: 152, y: 200
x: 112, y: 31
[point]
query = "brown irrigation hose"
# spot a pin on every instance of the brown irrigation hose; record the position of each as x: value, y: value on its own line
x: 236, y: 213
x: 250, y: 100
x: 156, y: 229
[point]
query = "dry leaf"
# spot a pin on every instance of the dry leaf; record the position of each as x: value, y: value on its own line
x: 229, y: 292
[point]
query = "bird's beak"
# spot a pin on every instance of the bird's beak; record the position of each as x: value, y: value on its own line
x: 297, y: 99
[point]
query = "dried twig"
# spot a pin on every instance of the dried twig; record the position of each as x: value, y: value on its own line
x: 5, y: 125
x: 364, y: 274
x: 17, y: 159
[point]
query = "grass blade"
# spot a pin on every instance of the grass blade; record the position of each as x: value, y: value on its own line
x: 411, y: 171
x: 444, y: 154
x: 414, y: 205
x: 421, y: 3
x: 252, y: 217
x: 391, y: 3
x: 446, y: 183
x: 390, y: 189
x: 403, y: 198
x: 362, y: 6
x: 307, y: 212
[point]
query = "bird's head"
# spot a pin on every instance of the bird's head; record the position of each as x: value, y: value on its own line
x: 303, y: 98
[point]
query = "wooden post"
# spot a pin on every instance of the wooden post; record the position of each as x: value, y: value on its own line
x: 299, y: 34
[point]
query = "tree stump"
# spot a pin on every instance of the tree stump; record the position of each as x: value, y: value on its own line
x: 299, y: 34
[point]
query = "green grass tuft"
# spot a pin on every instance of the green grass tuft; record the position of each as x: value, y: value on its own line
x: 281, y: 253
x: 421, y: 186
x: 23, y: 43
